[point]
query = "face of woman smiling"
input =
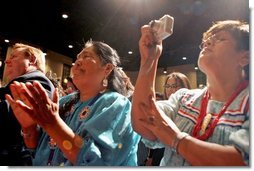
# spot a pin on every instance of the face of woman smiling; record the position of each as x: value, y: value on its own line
x: 88, y: 70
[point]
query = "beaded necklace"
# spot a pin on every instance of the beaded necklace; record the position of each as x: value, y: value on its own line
x: 206, y: 133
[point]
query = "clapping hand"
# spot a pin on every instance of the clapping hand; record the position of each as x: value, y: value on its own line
x: 31, y: 104
x: 19, y: 100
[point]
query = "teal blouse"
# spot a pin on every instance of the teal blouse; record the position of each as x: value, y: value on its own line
x: 109, y: 139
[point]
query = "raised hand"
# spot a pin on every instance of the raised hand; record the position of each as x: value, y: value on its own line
x: 149, y: 47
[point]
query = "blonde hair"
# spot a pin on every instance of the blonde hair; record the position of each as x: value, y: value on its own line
x: 32, y: 51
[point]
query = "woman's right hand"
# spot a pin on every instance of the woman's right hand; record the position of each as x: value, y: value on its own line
x: 32, y: 101
x: 149, y: 47
x: 24, y: 119
x: 150, y: 50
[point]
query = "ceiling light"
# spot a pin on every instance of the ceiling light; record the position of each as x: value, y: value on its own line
x: 65, y: 16
x: 70, y: 46
x: 184, y: 58
x: 165, y: 71
x: 130, y: 52
x: 6, y: 41
x: 196, y: 68
x: 65, y: 80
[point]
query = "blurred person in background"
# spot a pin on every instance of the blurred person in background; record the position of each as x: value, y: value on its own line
x: 175, y: 81
x: 70, y: 86
x: 56, y: 82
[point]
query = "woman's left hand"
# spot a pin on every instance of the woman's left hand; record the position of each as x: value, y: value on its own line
x: 15, y: 101
x: 159, y: 123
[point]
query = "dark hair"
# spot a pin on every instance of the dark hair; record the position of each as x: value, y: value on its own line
x: 109, y: 55
x: 129, y: 86
x: 239, y: 31
x: 69, y: 79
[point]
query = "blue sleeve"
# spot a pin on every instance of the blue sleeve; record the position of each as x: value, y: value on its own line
x: 241, y: 140
x: 108, y: 135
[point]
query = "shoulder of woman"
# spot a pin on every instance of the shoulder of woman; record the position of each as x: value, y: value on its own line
x: 68, y: 97
x: 114, y: 96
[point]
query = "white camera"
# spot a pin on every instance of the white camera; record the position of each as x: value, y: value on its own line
x: 163, y: 27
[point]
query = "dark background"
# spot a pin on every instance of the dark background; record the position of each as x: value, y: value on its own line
x: 116, y: 22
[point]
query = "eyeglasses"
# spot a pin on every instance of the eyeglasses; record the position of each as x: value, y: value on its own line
x: 212, y: 40
x: 171, y: 86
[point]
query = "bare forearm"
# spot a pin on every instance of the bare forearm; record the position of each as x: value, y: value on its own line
x: 202, y: 153
x: 150, y: 51
x: 144, y: 89
x: 145, y: 84
x: 30, y: 136
x: 69, y: 143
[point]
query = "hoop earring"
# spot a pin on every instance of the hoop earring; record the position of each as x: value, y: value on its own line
x: 105, y: 82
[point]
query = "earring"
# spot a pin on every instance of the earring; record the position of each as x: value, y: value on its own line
x: 105, y: 82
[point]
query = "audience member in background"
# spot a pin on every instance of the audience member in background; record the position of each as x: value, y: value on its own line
x: 70, y: 86
x: 56, y: 82
x: 91, y: 127
x: 175, y: 81
x: 25, y: 64
x: 209, y: 126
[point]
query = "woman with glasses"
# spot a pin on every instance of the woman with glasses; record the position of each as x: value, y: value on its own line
x: 204, y: 127
x: 175, y: 81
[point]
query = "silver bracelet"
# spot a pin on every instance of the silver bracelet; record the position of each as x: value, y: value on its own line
x: 177, y: 140
x: 28, y: 135
x: 25, y: 135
